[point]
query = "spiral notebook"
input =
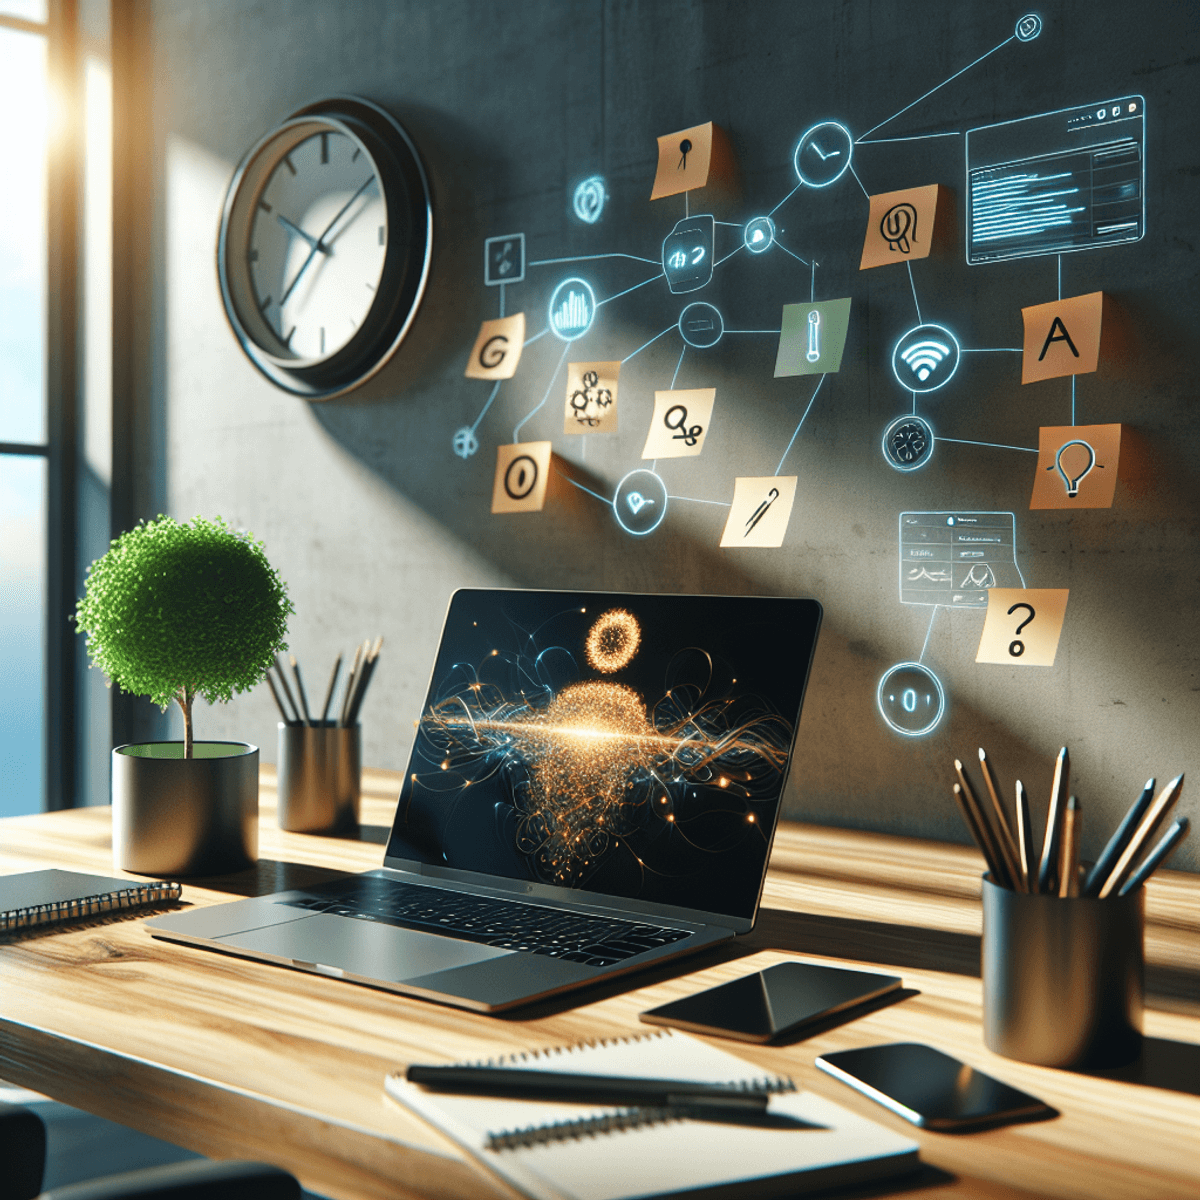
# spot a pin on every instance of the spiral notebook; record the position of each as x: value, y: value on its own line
x: 36, y: 898
x: 558, y: 1151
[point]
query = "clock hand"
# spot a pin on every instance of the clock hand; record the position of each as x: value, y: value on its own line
x: 308, y: 237
x: 319, y: 244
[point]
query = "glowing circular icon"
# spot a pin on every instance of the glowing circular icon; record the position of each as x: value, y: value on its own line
x: 823, y: 154
x: 520, y: 477
x: 701, y: 325
x: 911, y: 699
x: 1028, y: 27
x: 572, y: 309
x: 589, y: 198
x: 465, y: 442
x: 908, y: 443
x: 925, y: 358
x: 640, y: 502
x: 758, y: 235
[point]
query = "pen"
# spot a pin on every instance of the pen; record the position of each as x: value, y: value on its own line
x: 617, y: 1090
x: 1004, y: 837
x: 1151, y: 862
x: 1025, y: 839
x: 300, y: 690
x: 1162, y: 805
x: 1068, y: 858
x: 991, y: 849
x: 1047, y: 883
x: 1119, y: 840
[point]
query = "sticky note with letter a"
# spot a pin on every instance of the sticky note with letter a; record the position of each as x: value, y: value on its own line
x: 1022, y: 626
x: 761, y: 510
x: 522, y: 472
x: 497, y: 349
x: 901, y: 225
x: 1062, y: 337
x: 591, y: 405
x: 680, y: 423
x: 1076, y: 467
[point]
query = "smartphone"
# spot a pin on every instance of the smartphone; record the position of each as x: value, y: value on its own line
x: 771, y: 1004
x: 931, y: 1089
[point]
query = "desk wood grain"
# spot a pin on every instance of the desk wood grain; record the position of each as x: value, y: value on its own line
x: 236, y: 1058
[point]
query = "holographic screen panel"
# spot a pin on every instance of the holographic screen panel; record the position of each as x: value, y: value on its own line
x: 952, y: 558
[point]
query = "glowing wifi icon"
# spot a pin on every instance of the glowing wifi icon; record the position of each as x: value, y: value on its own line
x: 925, y: 358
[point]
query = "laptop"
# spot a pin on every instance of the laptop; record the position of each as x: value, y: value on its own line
x: 593, y: 788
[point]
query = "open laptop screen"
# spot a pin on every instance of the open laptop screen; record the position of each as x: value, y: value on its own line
x: 634, y: 746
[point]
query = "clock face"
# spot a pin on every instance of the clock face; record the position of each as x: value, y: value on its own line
x: 317, y: 246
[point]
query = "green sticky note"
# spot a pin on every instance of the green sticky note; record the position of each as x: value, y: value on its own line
x: 812, y: 337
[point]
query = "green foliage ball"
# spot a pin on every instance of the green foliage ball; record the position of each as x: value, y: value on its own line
x: 172, y: 611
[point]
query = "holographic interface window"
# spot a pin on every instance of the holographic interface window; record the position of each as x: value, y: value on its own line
x: 633, y: 746
x: 1056, y: 182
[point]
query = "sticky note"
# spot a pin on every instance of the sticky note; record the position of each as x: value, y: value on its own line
x: 497, y: 349
x: 761, y: 510
x: 1076, y: 466
x: 522, y: 471
x: 812, y: 337
x: 1062, y: 337
x: 591, y: 405
x: 900, y: 226
x: 680, y: 423
x: 684, y: 160
x: 1022, y: 626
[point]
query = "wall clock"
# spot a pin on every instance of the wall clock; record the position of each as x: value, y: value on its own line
x: 324, y: 248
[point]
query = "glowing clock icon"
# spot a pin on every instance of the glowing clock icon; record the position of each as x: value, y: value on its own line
x: 823, y: 154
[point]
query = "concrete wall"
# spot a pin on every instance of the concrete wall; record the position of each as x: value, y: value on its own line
x: 374, y: 521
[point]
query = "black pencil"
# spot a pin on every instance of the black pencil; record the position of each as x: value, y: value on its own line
x: 278, y: 703
x: 300, y: 690
x: 287, y: 691
x: 1153, y: 860
x: 337, y: 666
x: 1117, y: 843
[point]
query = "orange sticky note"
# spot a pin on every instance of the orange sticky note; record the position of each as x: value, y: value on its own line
x: 522, y: 471
x: 1077, y: 466
x: 1062, y: 337
x: 900, y: 226
x: 684, y: 159
x: 591, y: 405
x: 497, y: 349
x: 1022, y: 626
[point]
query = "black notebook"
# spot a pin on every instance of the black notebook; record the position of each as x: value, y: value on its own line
x: 48, y: 897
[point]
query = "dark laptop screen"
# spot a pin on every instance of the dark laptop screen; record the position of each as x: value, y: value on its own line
x: 634, y: 746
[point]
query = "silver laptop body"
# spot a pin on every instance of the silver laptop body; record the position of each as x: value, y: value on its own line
x: 593, y: 789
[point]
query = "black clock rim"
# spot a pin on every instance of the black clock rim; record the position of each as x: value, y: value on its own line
x: 405, y: 274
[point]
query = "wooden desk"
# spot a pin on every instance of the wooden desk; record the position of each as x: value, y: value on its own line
x: 235, y: 1058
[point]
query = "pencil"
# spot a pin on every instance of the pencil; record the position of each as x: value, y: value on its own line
x: 1151, y: 862
x: 1025, y: 839
x: 364, y: 680
x: 972, y: 825
x: 992, y: 852
x: 1004, y: 837
x: 350, y: 681
x: 1047, y: 872
x: 300, y: 690
x: 337, y: 666
x: 1163, y: 803
x: 287, y: 691
x: 1119, y: 840
x: 1068, y: 857
x: 278, y: 703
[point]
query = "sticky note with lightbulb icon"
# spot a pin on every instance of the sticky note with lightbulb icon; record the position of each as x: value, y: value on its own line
x: 680, y: 423
x: 591, y: 405
x: 900, y: 226
x: 1076, y: 467
x: 1023, y: 626
x: 497, y: 349
x: 761, y: 510
x: 522, y: 472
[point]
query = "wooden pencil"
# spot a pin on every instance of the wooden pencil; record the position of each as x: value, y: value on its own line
x: 1004, y: 837
x: 1048, y: 870
x: 992, y: 852
x: 1025, y: 840
x: 1068, y: 856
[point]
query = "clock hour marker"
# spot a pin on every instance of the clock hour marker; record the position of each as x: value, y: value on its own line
x: 381, y: 234
x: 287, y: 341
x: 354, y: 322
x: 324, y: 148
x: 291, y: 167
x: 354, y: 156
x: 322, y: 339
x: 370, y: 287
x: 263, y: 304
x: 265, y: 206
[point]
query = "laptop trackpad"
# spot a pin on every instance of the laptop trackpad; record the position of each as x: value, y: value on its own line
x: 373, y: 951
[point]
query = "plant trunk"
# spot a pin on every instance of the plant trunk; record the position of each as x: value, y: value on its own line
x: 184, y: 700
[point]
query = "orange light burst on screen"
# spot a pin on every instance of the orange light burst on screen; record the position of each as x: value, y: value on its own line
x: 613, y: 640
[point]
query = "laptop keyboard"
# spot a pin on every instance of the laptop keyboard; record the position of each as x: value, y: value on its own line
x: 554, y: 932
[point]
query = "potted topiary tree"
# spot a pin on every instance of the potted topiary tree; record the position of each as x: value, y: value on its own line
x: 174, y: 611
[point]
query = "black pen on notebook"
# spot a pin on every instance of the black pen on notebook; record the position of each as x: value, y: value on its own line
x: 618, y: 1090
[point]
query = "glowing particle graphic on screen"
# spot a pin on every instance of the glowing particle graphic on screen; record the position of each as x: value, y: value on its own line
x: 926, y: 358
x: 572, y: 309
x: 911, y: 699
x: 589, y: 198
x: 613, y: 640
x: 465, y: 442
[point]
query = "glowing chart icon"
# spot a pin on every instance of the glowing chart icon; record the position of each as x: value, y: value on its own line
x: 908, y: 443
x: 640, y: 502
x: 701, y: 325
x: 572, y: 309
x: 758, y: 235
x: 589, y: 198
x: 911, y: 699
x: 926, y: 358
x: 823, y: 154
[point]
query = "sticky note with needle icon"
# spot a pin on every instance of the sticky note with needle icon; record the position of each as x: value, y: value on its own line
x: 761, y: 510
x: 1076, y: 467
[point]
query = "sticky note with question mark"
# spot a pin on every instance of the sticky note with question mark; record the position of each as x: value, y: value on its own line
x: 1022, y: 626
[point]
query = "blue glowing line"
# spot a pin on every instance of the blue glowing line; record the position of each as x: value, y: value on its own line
x: 731, y: 224
x: 916, y: 302
x: 696, y: 500
x: 786, y: 199
x: 940, y: 85
x: 859, y: 181
x: 562, y: 359
x: 651, y: 341
x: 914, y: 408
x: 729, y: 255
x: 546, y: 262
x: 536, y: 336
x: 811, y: 401
x: 502, y: 299
x: 1020, y: 573
x: 925, y: 645
x: 602, y: 499
x: 486, y: 406
x: 754, y: 331
x: 787, y: 251
x: 916, y: 137
x: 628, y: 290
x: 677, y: 366
x: 994, y: 445
x: 1060, y: 276
x: 992, y: 350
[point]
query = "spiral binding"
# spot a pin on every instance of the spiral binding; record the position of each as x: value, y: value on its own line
x: 36, y: 915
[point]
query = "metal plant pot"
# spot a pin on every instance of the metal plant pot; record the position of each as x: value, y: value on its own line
x: 177, y: 816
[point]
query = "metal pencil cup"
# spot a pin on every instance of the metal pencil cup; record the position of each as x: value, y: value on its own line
x: 320, y: 772
x: 1063, y: 979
